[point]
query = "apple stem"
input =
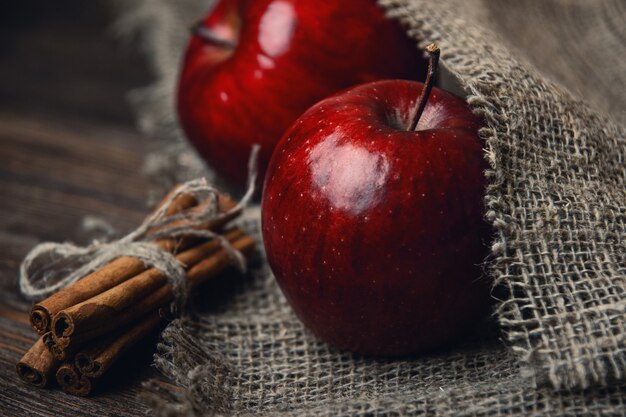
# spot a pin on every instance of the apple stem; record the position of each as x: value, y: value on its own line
x: 432, y: 51
x: 207, y: 35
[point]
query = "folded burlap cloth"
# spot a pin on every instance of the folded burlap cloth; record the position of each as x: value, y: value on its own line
x: 549, y: 78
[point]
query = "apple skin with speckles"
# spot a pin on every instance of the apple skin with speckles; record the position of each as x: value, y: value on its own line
x: 253, y: 67
x: 376, y: 233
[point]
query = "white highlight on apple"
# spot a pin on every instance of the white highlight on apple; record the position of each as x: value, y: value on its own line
x: 276, y: 28
x: 351, y: 177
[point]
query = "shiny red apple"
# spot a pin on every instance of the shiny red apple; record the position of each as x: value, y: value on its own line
x: 252, y: 67
x: 373, y: 221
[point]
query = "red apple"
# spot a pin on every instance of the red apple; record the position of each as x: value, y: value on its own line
x: 373, y: 223
x: 252, y: 67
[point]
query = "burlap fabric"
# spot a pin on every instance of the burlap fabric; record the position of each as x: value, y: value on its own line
x: 556, y: 199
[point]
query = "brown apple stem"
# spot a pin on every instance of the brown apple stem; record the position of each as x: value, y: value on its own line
x: 208, y: 36
x: 432, y: 51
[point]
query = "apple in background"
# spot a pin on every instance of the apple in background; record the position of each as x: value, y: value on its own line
x: 372, y: 217
x: 252, y: 67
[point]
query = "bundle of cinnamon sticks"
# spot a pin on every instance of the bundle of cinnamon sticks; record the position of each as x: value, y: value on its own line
x: 88, y: 325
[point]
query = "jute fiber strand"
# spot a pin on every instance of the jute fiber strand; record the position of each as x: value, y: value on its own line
x: 556, y: 199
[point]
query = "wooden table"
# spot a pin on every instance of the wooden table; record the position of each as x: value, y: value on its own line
x: 68, y: 149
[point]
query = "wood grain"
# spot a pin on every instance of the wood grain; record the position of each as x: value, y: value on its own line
x: 68, y: 149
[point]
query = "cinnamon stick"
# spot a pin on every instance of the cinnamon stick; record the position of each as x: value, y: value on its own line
x: 145, y: 292
x: 37, y: 365
x: 94, y: 360
x: 106, y: 277
x: 122, y: 294
x: 117, y: 271
x: 73, y: 382
x: 214, y: 265
x: 58, y: 352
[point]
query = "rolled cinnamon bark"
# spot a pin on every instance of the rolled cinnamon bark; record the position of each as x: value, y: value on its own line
x: 58, y: 352
x: 37, y: 366
x: 72, y: 382
x: 119, y: 270
x: 214, y: 265
x: 141, y: 294
x: 104, y: 278
x: 96, y: 358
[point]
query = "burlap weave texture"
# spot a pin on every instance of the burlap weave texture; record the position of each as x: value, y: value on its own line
x: 557, y: 203
x: 253, y: 357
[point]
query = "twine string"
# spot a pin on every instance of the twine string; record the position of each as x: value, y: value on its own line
x: 50, y: 267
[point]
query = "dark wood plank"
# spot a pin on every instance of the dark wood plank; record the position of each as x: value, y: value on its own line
x: 60, y: 57
x: 51, y: 176
x: 68, y: 149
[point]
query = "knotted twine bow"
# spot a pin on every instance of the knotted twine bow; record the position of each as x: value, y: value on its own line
x: 50, y: 267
